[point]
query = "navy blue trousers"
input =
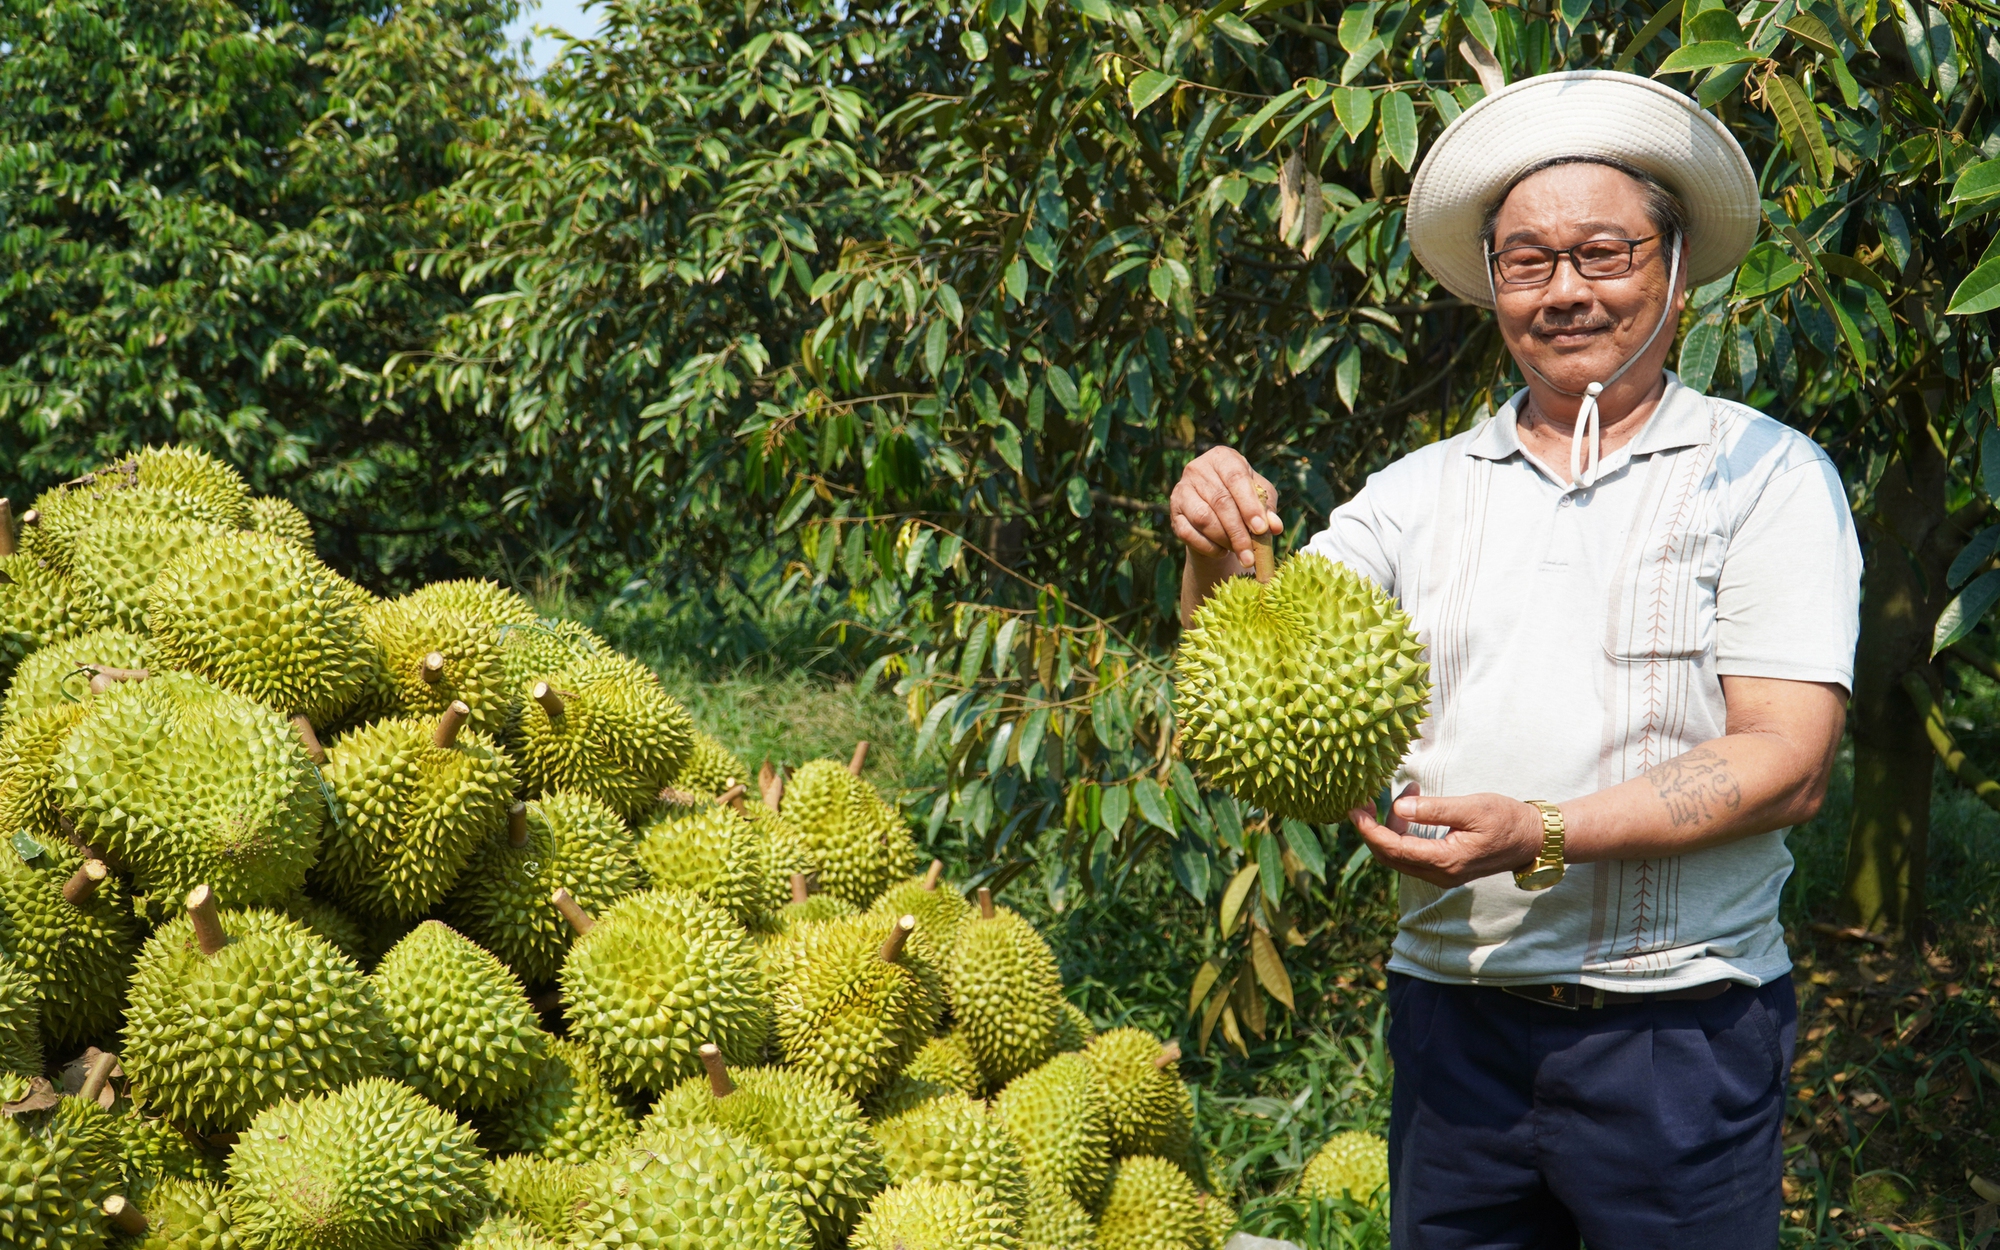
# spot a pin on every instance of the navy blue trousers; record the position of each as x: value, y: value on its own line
x: 1521, y: 1126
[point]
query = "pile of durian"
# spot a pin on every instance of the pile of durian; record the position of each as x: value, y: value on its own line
x: 336, y: 923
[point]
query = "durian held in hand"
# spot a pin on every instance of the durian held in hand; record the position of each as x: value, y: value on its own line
x: 1299, y: 690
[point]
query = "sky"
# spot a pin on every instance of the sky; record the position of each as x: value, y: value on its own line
x: 565, y: 15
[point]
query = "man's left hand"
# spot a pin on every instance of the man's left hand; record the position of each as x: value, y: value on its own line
x: 1488, y: 834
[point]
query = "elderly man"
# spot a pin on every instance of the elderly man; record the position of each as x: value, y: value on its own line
x: 1640, y: 605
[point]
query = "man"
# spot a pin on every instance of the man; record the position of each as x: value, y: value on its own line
x: 1640, y: 605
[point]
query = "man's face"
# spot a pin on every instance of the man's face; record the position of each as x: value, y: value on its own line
x: 1574, y: 330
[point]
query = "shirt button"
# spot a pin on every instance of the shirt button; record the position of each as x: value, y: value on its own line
x: 1563, y: 502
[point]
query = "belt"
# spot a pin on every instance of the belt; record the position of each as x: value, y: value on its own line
x: 1570, y: 996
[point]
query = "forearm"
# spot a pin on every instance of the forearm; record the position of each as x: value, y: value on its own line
x: 1200, y: 575
x: 1727, y: 788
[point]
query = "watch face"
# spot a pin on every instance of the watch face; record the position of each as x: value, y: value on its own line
x: 1540, y: 878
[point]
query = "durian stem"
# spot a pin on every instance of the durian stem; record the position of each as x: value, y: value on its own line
x: 573, y: 911
x: 103, y: 677
x: 552, y: 703
x: 31, y: 517
x: 450, y: 723
x: 771, y: 784
x: 77, y: 890
x: 860, y: 760
x: 892, y: 947
x: 985, y: 903
x: 124, y: 1217
x: 931, y: 876
x: 1264, y: 546
x: 734, y: 797
x: 1170, y: 1054
x: 95, y: 1077
x: 799, y: 891
x: 78, y: 841
x: 207, y: 923
x: 517, y: 826
x: 6, y: 527
x: 433, y: 668
x: 719, y: 1083
x: 302, y: 726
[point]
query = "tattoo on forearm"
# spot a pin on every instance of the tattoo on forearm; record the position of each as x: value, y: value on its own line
x: 1697, y: 787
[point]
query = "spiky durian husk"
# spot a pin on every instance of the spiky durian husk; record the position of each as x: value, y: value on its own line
x: 941, y: 1066
x: 953, y: 1138
x: 1074, y: 1031
x: 78, y: 956
x: 348, y: 935
x: 154, y: 1151
x: 463, y: 1033
x: 709, y: 768
x: 502, y: 898
x: 846, y: 1013
x: 1006, y: 995
x: 540, y: 1191
x: 859, y: 842
x: 620, y: 737
x: 505, y: 1232
x: 542, y: 648
x: 260, y: 616
x: 369, y: 1164
x: 405, y: 631
x: 1300, y: 696
x: 1055, y: 1114
x: 1149, y: 1205
x: 1218, y: 1221
x: 50, y: 677
x: 57, y: 1166
x: 117, y: 558
x: 28, y: 749
x: 1055, y: 1221
x: 691, y: 1190
x: 187, y: 469
x: 568, y: 1114
x: 280, y: 518
x: 1353, y: 1163
x: 658, y: 976
x: 20, y: 1024
x: 187, y: 1215
x: 39, y: 606
x: 212, y: 1040
x: 927, y: 1214
x: 939, y: 914
x: 813, y: 1133
x: 409, y: 814
x: 1146, y: 1108
x: 712, y: 851
x: 489, y: 603
x: 67, y: 512
x: 188, y: 783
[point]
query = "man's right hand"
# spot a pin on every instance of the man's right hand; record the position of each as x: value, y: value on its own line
x: 1216, y: 509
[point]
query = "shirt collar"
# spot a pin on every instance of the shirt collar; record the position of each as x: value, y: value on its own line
x: 1679, y: 420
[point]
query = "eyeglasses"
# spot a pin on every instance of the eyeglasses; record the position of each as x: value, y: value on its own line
x: 1533, y: 265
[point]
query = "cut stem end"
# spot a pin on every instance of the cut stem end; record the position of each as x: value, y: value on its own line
x: 719, y: 1083
x: 800, y: 892
x: 932, y: 876
x: 860, y: 760
x: 432, y: 670
x: 573, y: 911
x: 1170, y: 1054
x: 124, y: 1217
x: 551, y: 702
x: 517, y: 826
x: 450, y: 724
x: 985, y: 903
x: 77, y: 890
x: 97, y: 1075
x: 892, y: 947
x: 207, y: 921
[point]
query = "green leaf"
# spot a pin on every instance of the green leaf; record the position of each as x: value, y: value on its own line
x: 1989, y: 461
x: 1647, y: 33
x: 1233, y: 897
x: 1974, y: 557
x: 933, y: 720
x: 1355, y: 107
x: 1114, y: 807
x: 1347, y: 375
x: 1980, y: 292
x: 1062, y: 386
x: 936, y: 340
x: 1017, y: 278
x: 1479, y: 20
x: 1271, y: 867
x: 1359, y: 60
x: 1721, y: 84
x: 947, y: 298
x: 1963, y: 614
x: 1976, y: 182
x: 1032, y: 734
x: 1148, y: 87
x: 1304, y: 841
x: 1574, y: 11
x: 1152, y: 801
x: 1399, y: 127
x: 1238, y: 29
x: 1716, y: 25
x: 1007, y: 441
x: 1096, y: 8
x: 1077, y: 492
x: 1357, y: 24
x: 1276, y: 105
x: 1161, y: 280
x: 974, y: 44
x: 1766, y: 269
x: 1813, y: 33
x: 1699, y: 352
x: 1842, y: 266
x: 1799, y: 120
x: 1693, y: 56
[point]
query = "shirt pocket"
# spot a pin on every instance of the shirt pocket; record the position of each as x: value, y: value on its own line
x: 1663, y: 602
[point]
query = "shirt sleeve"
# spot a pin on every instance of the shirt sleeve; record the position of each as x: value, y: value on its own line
x: 1363, y: 535
x: 1788, y: 600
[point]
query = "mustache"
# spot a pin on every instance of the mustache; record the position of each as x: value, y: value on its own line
x: 1569, y: 325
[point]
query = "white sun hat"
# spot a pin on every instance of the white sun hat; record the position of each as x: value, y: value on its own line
x: 1586, y: 113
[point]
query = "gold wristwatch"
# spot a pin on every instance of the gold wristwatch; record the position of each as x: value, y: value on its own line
x: 1547, y: 869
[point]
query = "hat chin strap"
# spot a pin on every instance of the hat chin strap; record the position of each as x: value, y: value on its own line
x: 1587, y: 423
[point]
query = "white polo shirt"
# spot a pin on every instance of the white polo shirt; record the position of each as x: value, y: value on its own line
x: 1577, y: 638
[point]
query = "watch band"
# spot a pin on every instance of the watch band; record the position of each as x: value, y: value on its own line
x: 1547, y: 868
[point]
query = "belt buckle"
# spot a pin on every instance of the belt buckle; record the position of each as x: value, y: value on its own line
x: 1564, y: 994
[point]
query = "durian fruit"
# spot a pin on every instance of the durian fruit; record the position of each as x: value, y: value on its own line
x: 57, y: 1166
x: 231, y: 1012
x: 655, y: 977
x: 187, y: 1215
x: 280, y: 518
x: 1006, y: 992
x: 28, y: 749
x: 1074, y: 1031
x: 118, y: 557
x: 952, y: 1138
x: 68, y: 922
x: 216, y: 486
x: 68, y: 510
x: 860, y: 843
x: 540, y: 649
x: 413, y: 799
x: 39, y: 606
x: 262, y: 617
x: 854, y: 1004
x: 712, y: 850
x: 810, y: 910
x: 562, y: 841
x: 604, y: 727
x: 1301, y: 695
x: 941, y: 1067
x: 20, y: 1024
x: 1146, y: 1108
x: 348, y: 935
x: 813, y: 1134
x: 369, y: 1164
x: 1218, y: 1221
x: 505, y: 1232
x: 926, y: 1214
x: 488, y: 603
x: 1150, y: 1205
x: 1351, y: 1163
x: 155, y: 1152
x: 699, y: 1189
x: 939, y: 910
x: 57, y: 674
x: 1055, y: 1221
x: 568, y: 1114
x: 1055, y: 1114
x: 463, y: 1034
x: 431, y: 657
x: 186, y: 783
x: 709, y: 768
x: 540, y: 1191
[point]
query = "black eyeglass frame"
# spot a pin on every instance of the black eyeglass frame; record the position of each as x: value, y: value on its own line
x: 1556, y: 254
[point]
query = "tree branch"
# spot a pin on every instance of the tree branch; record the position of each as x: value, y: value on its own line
x: 1963, y: 770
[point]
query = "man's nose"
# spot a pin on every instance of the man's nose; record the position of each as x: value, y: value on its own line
x: 1567, y: 288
